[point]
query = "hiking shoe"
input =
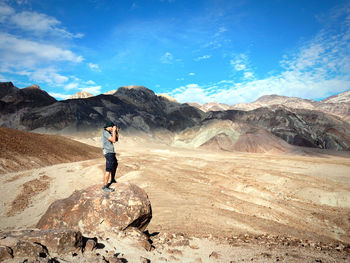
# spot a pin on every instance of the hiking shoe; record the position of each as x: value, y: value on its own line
x: 107, y: 189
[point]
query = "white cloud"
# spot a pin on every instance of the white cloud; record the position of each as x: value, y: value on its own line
x: 71, y: 86
x: 167, y: 58
x: 47, y: 75
x: 191, y: 74
x: 192, y: 93
x: 94, y: 67
x: 318, y: 69
x: 29, y: 53
x: 90, y: 82
x: 94, y: 90
x: 248, y: 75
x: 203, y: 57
x: 240, y: 62
x: 59, y: 95
x: 220, y: 31
x: 34, y: 22
x: 5, y: 11
x: 33, y: 49
x: 192, y: 86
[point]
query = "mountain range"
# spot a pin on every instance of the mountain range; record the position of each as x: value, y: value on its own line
x: 266, y: 124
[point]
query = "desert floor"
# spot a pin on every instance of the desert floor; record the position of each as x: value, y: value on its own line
x: 235, y: 204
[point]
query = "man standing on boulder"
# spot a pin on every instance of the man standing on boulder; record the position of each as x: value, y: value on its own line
x: 109, y: 136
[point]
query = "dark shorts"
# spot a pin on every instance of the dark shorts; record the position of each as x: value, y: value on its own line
x: 111, y: 162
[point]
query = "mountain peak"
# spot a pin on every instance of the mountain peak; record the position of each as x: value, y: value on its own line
x: 34, y: 86
x: 81, y: 95
x: 168, y: 97
x: 133, y: 89
x: 339, y: 98
x: 111, y: 92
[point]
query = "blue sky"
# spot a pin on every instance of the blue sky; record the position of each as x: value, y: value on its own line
x: 196, y: 51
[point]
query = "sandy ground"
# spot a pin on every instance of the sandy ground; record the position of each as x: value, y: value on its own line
x: 211, y: 198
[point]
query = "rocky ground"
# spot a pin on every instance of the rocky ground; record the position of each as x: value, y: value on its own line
x: 208, y: 206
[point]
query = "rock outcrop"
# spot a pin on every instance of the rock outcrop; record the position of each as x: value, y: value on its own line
x: 39, y: 243
x: 96, y: 213
x: 300, y: 127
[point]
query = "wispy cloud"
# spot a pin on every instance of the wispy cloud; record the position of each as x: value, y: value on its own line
x: 317, y: 69
x: 37, y: 23
x: 191, y: 74
x: 31, y: 46
x: 71, y: 86
x: 241, y: 63
x: 94, y: 67
x: 202, y: 57
x: 167, y: 58
x: 28, y: 53
x: 94, y: 90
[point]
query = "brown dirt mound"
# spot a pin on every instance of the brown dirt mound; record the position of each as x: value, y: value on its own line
x: 261, y: 141
x: 257, y: 141
x: 22, y: 150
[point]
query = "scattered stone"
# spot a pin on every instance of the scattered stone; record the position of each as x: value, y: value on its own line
x: 90, y: 245
x: 194, y: 246
x: 175, y: 252
x: 266, y: 255
x: 138, y: 237
x: 144, y: 260
x: 214, y: 255
x: 35, y: 244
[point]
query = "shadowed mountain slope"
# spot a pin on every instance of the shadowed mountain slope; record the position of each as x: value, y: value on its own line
x: 136, y: 108
x: 13, y: 99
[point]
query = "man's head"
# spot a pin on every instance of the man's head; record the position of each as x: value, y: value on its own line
x: 109, y: 125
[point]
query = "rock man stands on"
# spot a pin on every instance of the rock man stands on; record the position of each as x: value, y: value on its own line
x: 109, y: 136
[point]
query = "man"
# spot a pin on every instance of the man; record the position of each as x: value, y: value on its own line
x: 109, y: 136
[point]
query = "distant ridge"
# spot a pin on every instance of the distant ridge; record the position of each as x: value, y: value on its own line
x: 81, y: 95
x: 138, y: 109
x: 339, y: 98
x: 111, y: 92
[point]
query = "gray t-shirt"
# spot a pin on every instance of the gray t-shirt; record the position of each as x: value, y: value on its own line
x: 107, y: 146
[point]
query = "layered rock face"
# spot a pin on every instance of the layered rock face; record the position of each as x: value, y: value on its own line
x: 93, y: 212
x: 297, y: 127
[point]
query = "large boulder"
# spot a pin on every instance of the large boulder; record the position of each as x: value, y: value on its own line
x: 94, y: 212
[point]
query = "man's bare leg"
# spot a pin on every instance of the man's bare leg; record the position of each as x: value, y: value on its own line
x: 106, y: 177
x: 106, y: 185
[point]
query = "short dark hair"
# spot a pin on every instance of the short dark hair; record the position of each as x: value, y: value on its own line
x: 109, y: 124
